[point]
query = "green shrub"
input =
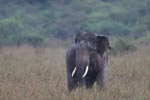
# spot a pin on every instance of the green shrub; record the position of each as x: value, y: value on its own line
x: 10, y: 30
x: 146, y: 21
x: 109, y: 27
x: 144, y: 40
x: 8, y: 27
x: 33, y: 39
x: 123, y: 45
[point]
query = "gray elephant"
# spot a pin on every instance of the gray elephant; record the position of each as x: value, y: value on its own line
x: 86, y: 60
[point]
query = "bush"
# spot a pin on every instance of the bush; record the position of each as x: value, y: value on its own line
x: 123, y: 45
x: 109, y: 27
x: 8, y: 27
x: 145, y: 40
x: 33, y: 39
x: 10, y: 30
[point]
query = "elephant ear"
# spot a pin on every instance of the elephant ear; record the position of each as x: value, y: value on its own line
x: 102, y: 44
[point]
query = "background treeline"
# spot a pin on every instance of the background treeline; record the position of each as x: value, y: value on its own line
x: 34, y: 21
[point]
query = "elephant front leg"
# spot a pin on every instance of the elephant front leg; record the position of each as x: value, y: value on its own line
x: 89, y: 82
x: 101, y: 78
x: 71, y: 81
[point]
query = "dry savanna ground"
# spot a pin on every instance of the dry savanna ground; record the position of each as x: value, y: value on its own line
x: 28, y: 73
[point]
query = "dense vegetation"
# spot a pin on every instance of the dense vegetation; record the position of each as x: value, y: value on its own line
x: 34, y: 21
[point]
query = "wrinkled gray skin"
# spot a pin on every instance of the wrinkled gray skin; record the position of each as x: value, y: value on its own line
x: 88, y: 50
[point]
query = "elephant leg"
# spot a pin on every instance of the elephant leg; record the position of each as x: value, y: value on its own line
x: 89, y: 83
x: 101, y: 78
x: 90, y: 79
x: 70, y: 65
x: 71, y: 81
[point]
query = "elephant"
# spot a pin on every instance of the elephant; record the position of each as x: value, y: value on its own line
x: 86, y: 60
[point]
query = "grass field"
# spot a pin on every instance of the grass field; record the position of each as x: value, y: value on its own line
x: 28, y: 73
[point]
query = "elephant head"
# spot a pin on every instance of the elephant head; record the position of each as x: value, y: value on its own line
x: 86, y: 43
x: 88, y: 39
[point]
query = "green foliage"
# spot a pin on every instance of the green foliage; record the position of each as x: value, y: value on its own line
x: 146, y: 21
x: 34, y: 39
x: 8, y: 26
x: 61, y: 18
x: 123, y: 45
x: 144, y: 40
x: 109, y: 27
x: 9, y: 31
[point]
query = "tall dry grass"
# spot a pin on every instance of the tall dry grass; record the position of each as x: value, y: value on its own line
x: 28, y: 73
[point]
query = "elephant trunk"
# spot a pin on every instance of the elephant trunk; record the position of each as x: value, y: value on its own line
x: 82, y: 62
